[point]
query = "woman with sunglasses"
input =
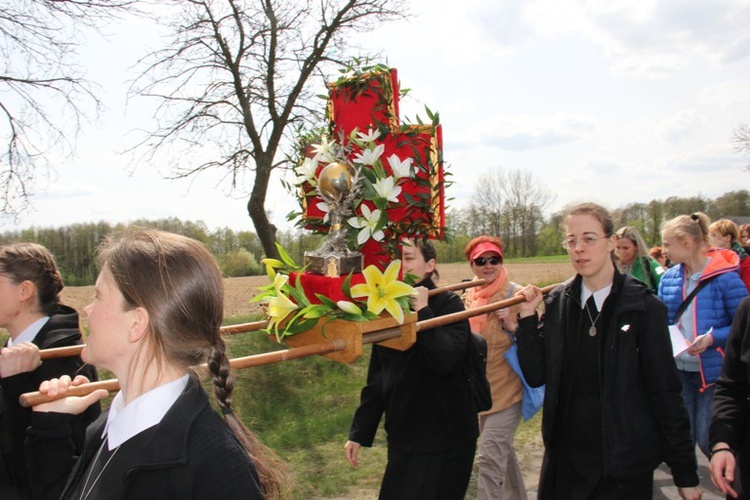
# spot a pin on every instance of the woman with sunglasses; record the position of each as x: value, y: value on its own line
x: 499, y: 474
x: 613, y: 410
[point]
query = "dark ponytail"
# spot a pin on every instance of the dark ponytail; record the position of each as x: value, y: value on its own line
x: 33, y: 262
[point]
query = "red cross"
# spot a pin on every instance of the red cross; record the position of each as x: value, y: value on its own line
x: 371, y: 101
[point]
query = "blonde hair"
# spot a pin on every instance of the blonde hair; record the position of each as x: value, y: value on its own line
x: 632, y: 234
x: 726, y: 227
x: 693, y: 227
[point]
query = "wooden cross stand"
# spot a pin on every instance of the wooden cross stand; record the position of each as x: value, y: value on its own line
x: 361, y: 103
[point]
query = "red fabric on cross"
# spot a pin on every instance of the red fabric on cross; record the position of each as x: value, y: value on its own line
x: 378, y: 104
x: 324, y: 285
x: 374, y: 106
x: 347, y: 111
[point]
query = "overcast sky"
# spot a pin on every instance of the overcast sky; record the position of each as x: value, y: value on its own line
x: 608, y: 101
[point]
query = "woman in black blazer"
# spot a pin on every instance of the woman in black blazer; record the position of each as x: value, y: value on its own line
x: 157, y: 312
x: 31, y: 312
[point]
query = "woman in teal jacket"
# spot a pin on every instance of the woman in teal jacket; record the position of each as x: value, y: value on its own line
x: 706, y: 319
x: 633, y: 258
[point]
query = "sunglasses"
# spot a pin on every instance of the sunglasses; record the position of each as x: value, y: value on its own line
x: 481, y: 261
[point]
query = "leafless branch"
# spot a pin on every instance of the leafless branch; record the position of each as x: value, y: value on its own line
x: 237, y: 74
x: 43, y: 95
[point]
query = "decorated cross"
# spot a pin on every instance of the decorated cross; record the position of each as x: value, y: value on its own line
x: 367, y: 105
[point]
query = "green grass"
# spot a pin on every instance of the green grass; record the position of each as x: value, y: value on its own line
x: 303, y: 408
x: 542, y: 259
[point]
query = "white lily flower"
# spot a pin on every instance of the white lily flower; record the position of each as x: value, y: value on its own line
x: 400, y: 168
x: 385, y: 188
x: 368, y: 225
x: 306, y: 172
x: 349, y: 307
x: 325, y: 151
x: 323, y: 207
x: 369, y: 156
x: 368, y: 136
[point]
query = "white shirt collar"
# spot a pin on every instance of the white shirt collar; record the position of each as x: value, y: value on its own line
x: 30, y: 332
x: 599, y: 296
x: 147, y: 410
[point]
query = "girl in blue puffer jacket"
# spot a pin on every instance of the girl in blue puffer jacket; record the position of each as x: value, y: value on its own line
x: 706, y: 320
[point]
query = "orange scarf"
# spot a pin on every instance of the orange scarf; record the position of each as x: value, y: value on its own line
x: 480, y: 296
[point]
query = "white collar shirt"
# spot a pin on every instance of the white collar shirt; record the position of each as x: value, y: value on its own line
x: 30, y: 332
x: 599, y: 296
x: 148, y: 409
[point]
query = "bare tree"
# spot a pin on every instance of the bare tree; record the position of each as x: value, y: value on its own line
x: 741, y: 140
x: 488, y: 202
x: 514, y: 202
x: 43, y: 94
x: 237, y: 76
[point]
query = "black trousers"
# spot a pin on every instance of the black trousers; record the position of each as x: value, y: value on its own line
x: 426, y: 476
x: 628, y: 488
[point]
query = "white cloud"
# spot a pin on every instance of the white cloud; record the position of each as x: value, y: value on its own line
x: 682, y: 125
x: 522, y: 132
x: 726, y: 95
x: 648, y: 38
x: 613, y: 101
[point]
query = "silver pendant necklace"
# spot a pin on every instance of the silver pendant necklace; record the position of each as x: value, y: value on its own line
x: 84, y: 493
x: 592, y: 328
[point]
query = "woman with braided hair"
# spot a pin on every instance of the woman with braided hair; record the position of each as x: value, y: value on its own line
x: 31, y: 312
x: 157, y: 312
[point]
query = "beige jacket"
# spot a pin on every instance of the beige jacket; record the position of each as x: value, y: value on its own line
x: 505, y: 385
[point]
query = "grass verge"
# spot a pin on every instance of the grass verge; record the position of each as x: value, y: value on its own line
x: 303, y: 408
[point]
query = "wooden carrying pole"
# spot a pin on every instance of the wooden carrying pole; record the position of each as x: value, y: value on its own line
x: 75, y: 350
x: 30, y: 399
x: 34, y: 398
x: 450, y: 318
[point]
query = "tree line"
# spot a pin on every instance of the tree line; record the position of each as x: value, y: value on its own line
x: 218, y: 79
x: 511, y: 205
x: 238, y: 252
x: 518, y: 220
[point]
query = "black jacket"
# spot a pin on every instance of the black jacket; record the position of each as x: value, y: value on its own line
x: 190, y: 454
x: 422, y: 391
x: 731, y: 417
x: 61, y: 330
x: 644, y: 421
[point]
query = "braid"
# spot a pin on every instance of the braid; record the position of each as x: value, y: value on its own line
x: 272, y: 471
x: 221, y: 375
x: 49, y: 297
x: 33, y: 262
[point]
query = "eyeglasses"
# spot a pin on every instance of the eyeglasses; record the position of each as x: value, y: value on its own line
x: 586, y: 241
x: 494, y: 260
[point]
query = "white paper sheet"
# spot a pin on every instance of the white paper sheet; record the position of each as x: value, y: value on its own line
x: 679, y: 343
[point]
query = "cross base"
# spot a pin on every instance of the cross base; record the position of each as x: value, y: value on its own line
x: 356, y: 333
x: 333, y: 265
